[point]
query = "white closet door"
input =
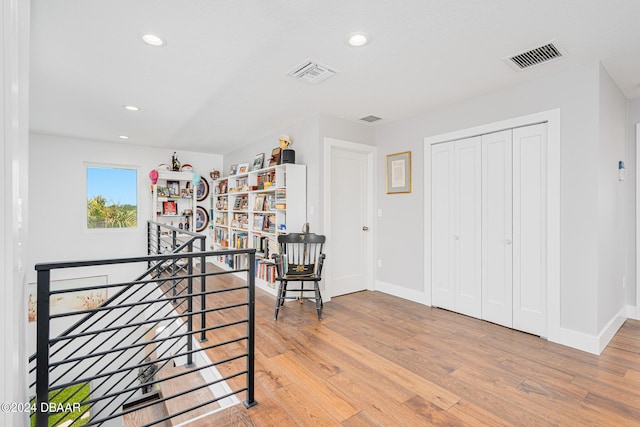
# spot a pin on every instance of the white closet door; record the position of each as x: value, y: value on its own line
x: 529, y: 225
x: 467, y: 222
x: 442, y: 225
x: 497, y: 254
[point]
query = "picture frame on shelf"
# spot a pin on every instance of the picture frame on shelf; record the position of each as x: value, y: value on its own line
x: 173, y: 188
x: 258, y: 162
x: 258, y: 203
x: 170, y: 208
x: 162, y: 191
x: 202, y: 190
x: 399, y: 173
x: 276, y: 153
x: 233, y: 169
x: 243, y: 168
x: 201, y: 218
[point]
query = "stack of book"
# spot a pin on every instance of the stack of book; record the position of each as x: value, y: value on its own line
x: 281, y: 198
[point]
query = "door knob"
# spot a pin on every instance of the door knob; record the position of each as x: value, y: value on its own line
x: 365, y: 228
x: 508, y: 242
x: 456, y: 237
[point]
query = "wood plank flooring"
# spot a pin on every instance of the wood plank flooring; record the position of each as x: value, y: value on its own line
x: 378, y: 360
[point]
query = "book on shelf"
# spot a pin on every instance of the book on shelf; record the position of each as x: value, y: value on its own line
x: 258, y: 222
x: 240, y: 240
x: 281, y: 198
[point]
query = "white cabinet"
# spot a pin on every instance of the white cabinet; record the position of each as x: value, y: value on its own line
x: 173, y: 199
x: 488, y: 227
x: 251, y: 209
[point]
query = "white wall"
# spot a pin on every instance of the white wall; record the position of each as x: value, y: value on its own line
x: 633, y: 117
x: 575, y: 92
x: 344, y: 130
x: 58, y: 198
x: 14, y: 147
x: 612, y: 201
x: 307, y: 138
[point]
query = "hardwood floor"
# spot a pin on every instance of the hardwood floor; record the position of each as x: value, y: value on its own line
x: 378, y: 360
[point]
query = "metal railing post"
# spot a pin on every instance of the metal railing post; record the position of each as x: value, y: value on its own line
x: 174, y: 266
x: 159, y: 250
x: 203, y: 297
x: 251, y: 326
x: 190, y: 308
x: 42, y: 348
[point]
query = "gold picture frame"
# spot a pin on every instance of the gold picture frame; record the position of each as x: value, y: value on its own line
x: 399, y: 173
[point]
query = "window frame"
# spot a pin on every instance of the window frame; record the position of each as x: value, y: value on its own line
x: 135, y: 168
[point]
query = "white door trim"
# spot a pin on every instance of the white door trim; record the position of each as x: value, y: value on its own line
x: 636, y: 312
x: 552, y: 118
x: 371, y: 151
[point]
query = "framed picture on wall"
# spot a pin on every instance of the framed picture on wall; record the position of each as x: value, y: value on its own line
x: 202, y: 218
x: 399, y: 173
x: 202, y: 190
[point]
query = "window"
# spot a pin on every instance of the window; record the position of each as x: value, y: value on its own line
x: 112, y: 197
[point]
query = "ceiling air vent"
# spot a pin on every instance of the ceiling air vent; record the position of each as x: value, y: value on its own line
x: 312, y: 72
x: 371, y: 119
x: 540, y: 55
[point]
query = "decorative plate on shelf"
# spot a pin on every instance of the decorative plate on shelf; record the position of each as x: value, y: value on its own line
x: 202, y: 218
x: 203, y: 190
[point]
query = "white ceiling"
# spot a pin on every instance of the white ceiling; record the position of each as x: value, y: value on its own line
x: 221, y: 81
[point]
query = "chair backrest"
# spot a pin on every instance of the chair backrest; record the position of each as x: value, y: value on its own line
x: 302, y: 248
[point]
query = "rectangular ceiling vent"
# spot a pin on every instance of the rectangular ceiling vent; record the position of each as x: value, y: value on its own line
x: 371, y: 119
x: 540, y: 55
x: 312, y: 72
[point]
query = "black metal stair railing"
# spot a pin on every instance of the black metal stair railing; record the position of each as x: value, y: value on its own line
x: 119, y: 349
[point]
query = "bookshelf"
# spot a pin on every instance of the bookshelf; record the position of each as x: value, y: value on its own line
x: 251, y: 209
x: 173, y: 199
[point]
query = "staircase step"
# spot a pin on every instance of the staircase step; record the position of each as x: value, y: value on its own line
x: 146, y: 416
x: 176, y: 385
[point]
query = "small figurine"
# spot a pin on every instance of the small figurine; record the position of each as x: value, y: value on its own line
x: 285, y: 141
x: 175, y: 163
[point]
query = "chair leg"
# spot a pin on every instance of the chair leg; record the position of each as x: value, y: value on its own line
x: 279, y: 299
x: 318, y: 300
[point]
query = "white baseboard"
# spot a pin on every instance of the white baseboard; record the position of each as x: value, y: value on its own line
x: 402, y: 292
x: 590, y: 343
x: 593, y: 344
x: 610, y: 330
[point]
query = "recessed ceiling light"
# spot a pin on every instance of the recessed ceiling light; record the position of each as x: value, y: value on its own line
x: 131, y: 107
x: 153, y: 40
x: 123, y: 137
x: 358, y: 39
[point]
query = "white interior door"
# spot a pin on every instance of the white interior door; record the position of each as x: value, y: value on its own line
x: 442, y: 225
x: 497, y: 231
x: 529, y: 225
x: 349, y: 194
x: 467, y: 220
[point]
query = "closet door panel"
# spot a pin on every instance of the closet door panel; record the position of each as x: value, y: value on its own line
x: 497, y: 254
x: 442, y: 225
x: 467, y: 236
x: 529, y: 225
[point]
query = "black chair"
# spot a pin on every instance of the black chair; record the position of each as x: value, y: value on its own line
x: 300, y: 260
